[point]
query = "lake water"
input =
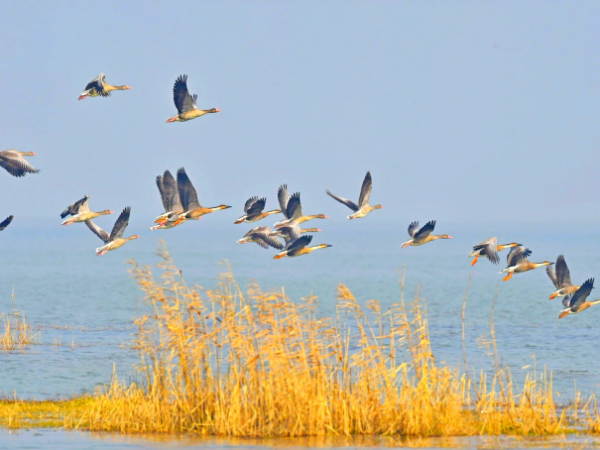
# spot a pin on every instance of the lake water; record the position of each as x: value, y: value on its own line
x: 83, y: 306
x: 70, y: 440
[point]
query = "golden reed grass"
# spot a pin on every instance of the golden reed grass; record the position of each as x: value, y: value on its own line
x: 255, y: 364
x: 15, y: 333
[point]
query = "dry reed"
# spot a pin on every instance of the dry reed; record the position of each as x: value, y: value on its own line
x: 255, y: 364
x: 15, y: 333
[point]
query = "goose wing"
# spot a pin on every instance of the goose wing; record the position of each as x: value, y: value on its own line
x: 120, y: 225
x: 349, y: 203
x: 413, y: 228
x: 254, y: 231
x: 294, y: 207
x: 517, y: 255
x: 284, y: 197
x: 249, y: 203
x: 187, y: 192
x: 183, y: 101
x: 257, y: 207
x: 171, y: 193
x: 6, y: 222
x: 490, y: 249
x: 103, y: 235
x: 581, y: 294
x: 301, y: 242
x: 15, y: 164
x: 77, y: 207
x: 98, y: 85
x: 563, y: 275
x: 365, y: 190
x: 161, y: 190
x: 266, y: 241
x: 552, y: 276
x: 425, y: 230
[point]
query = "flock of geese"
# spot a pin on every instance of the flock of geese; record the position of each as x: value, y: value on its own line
x: 181, y: 204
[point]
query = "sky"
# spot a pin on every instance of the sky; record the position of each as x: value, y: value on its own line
x: 464, y: 112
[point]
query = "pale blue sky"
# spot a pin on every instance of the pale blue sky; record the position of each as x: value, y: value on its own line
x: 463, y: 111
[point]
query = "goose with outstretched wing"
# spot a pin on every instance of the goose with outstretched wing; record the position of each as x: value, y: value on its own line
x: 489, y: 249
x: 299, y: 247
x: 261, y: 236
x: 517, y: 262
x: 253, y: 210
x: 189, y: 199
x: 115, y: 239
x: 98, y: 87
x: 13, y: 162
x: 169, y: 194
x: 561, y: 279
x: 362, y: 208
x: 293, y: 209
x: 185, y: 103
x: 577, y: 301
x: 420, y: 236
x: 79, y: 211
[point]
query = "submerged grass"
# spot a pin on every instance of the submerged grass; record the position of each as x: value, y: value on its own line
x: 255, y: 364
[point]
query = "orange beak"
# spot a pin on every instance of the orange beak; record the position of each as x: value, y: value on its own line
x: 279, y: 256
x: 81, y: 97
x: 172, y: 119
x: 475, y: 261
x: 553, y: 296
x: 178, y: 221
x: 564, y: 314
x: 508, y: 277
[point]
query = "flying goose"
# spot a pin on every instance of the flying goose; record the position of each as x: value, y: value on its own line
x: 189, y: 199
x: 115, y: 239
x: 561, y: 279
x: 262, y: 236
x: 299, y: 248
x: 253, y: 210
x: 423, y: 235
x: 15, y: 164
x: 292, y: 208
x: 186, y: 103
x: 80, y: 212
x: 576, y: 302
x: 489, y: 249
x: 517, y: 262
x: 167, y: 186
x: 99, y: 87
x: 363, y: 208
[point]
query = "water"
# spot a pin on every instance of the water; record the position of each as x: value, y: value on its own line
x: 83, y: 306
x: 67, y: 440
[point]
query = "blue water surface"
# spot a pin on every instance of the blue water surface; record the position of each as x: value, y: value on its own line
x: 83, y: 306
